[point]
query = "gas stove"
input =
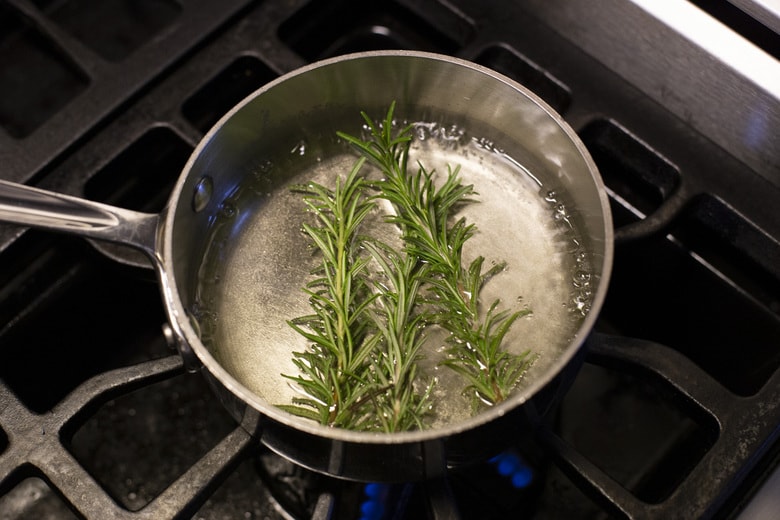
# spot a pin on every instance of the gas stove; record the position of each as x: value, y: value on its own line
x: 675, y: 412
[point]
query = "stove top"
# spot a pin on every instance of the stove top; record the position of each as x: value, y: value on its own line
x: 676, y: 410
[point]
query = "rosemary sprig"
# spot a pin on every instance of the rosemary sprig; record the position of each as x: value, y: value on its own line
x: 334, y: 368
x: 360, y: 370
x: 400, y: 323
x: 424, y: 213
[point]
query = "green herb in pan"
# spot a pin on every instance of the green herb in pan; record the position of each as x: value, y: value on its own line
x: 333, y: 370
x: 367, y: 330
x: 360, y: 370
x: 424, y: 214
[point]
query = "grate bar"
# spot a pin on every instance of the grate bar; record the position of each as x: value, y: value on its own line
x: 746, y: 429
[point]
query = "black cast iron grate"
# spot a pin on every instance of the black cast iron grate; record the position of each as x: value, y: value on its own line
x: 100, y: 424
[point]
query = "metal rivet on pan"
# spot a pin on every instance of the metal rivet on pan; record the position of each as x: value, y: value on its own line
x: 202, y: 194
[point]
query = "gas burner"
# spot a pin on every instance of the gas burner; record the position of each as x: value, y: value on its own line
x: 507, y: 486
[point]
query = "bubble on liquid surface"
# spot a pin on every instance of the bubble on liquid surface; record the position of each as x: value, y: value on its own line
x: 299, y: 148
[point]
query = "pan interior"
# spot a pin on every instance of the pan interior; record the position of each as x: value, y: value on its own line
x: 539, y: 210
x: 259, y: 261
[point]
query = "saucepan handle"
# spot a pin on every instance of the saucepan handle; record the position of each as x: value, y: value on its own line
x: 34, y: 207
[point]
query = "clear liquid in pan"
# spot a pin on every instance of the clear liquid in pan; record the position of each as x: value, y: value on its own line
x: 258, y: 260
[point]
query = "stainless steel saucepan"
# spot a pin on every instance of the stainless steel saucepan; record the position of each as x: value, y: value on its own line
x: 231, y: 259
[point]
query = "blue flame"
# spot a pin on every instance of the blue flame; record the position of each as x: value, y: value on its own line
x: 510, y: 465
x: 373, y: 507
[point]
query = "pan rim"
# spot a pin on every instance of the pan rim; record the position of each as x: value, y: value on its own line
x: 179, y: 315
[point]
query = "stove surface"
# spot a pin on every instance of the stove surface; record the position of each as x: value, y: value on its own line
x: 676, y: 410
